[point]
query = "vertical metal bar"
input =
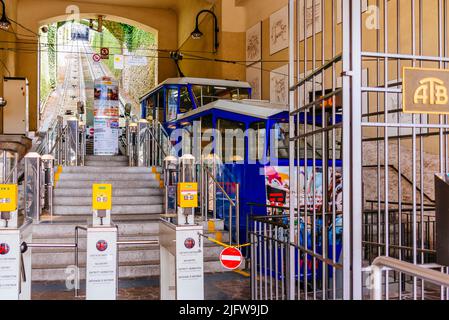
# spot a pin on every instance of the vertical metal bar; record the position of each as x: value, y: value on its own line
x: 265, y: 253
x: 237, y: 212
x: 291, y: 265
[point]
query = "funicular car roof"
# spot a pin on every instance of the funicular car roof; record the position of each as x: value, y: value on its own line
x: 198, y: 81
x: 253, y: 108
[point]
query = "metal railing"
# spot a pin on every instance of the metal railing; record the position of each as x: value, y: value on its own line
x: 147, y: 144
x: 66, y: 143
x: 208, y: 187
x: 317, y: 266
x: 415, y: 281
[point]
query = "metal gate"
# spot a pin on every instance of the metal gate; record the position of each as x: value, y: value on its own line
x: 362, y: 171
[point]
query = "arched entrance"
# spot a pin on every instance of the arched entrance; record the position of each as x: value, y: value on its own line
x: 70, y: 59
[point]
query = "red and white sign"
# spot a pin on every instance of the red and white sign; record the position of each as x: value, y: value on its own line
x: 96, y: 57
x: 231, y: 258
x: 104, y: 53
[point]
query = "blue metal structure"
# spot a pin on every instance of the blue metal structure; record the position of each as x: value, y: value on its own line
x: 261, y: 171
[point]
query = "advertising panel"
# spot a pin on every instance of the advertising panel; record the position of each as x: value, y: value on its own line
x: 106, y: 116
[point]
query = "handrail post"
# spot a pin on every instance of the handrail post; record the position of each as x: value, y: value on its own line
x: 131, y: 141
x: 82, y: 145
x: 376, y: 283
x: 142, y: 128
x: 32, y: 186
x: 48, y: 162
x: 72, y: 141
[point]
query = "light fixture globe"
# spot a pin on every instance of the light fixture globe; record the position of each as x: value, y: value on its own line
x: 197, y: 34
x: 4, y: 22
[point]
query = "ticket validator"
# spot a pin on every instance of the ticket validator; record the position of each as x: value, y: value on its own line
x: 101, y: 263
x: 181, y: 243
x: 15, y: 257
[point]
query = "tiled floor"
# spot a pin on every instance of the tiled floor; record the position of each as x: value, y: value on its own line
x: 218, y: 286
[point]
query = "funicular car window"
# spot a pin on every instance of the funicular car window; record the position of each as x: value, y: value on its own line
x: 232, y: 140
x: 256, y: 140
x: 186, y: 103
x: 281, y: 139
x: 172, y: 104
x: 207, y: 94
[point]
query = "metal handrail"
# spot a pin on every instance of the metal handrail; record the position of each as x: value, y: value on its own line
x: 58, y: 139
x: 157, y: 142
x: 235, y: 204
x: 219, y: 186
x: 410, y: 269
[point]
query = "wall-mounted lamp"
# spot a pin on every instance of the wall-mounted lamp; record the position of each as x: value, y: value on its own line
x: 197, y: 34
x: 4, y: 22
x: 3, y: 102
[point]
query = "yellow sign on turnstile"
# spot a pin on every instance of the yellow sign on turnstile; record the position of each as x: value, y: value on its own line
x: 102, y: 197
x: 188, y: 195
x: 8, y: 197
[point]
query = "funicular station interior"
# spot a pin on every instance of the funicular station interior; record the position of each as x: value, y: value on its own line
x: 224, y: 149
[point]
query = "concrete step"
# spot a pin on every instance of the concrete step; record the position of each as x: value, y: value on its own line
x: 107, y: 158
x: 109, y: 164
x: 103, y: 169
x: 126, y: 270
x: 68, y: 184
x: 107, y: 177
x: 86, y: 219
x: 87, y: 201
x: 118, y: 209
x: 125, y: 192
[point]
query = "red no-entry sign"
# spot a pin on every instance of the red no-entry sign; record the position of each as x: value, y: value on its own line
x: 96, y: 57
x: 231, y: 258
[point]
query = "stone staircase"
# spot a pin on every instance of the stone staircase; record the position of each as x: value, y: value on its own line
x: 135, y: 190
x: 137, y: 203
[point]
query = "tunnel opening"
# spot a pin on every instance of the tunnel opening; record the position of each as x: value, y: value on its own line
x: 74, y: 54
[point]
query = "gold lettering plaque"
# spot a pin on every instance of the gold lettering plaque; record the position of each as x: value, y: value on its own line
x: 425, y: 91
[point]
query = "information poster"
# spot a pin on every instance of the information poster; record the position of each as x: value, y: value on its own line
x: 9, y: 265
x: 189, y: 272
x: 101, y: 275
x: 106, y: 116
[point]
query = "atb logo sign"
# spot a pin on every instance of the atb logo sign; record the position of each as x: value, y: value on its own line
x: 432, y: 91
x: 425, y: 91
x: 4, y: 249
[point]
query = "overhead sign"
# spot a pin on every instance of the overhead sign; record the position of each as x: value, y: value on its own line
x: 96, y: 57
x: 231, y: 258
x: 104, y: 53
x: 119, y: 62
x: 136, y: 61
x: 425, y: 91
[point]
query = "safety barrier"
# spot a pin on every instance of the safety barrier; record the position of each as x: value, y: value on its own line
x: 317, y: 268
x: 119, y: 243
x: 415, y: 281
x: 147, y: 143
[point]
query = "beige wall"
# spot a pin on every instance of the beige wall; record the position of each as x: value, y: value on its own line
x: 32, y: 13
x: 8, y: 54
x: 231, y: 46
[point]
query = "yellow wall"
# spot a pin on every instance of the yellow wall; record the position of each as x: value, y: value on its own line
x: 231, y: 42
x: 235, y: 17
x: 7, y: 56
